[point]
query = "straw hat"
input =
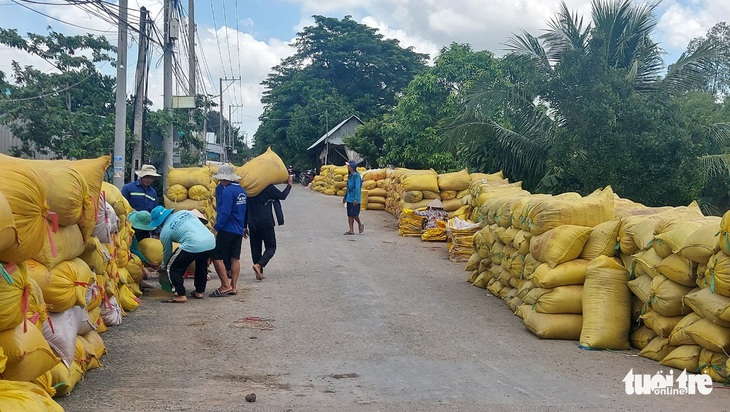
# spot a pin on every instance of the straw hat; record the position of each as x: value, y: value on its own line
x: 200, y: 216
x: 147, y: 170
x: 227, y: 172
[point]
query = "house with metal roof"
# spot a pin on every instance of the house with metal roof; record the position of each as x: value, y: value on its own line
x: 331, y: 147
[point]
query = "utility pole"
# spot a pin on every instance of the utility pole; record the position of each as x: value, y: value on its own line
x: 140, y: 94
x: 120, y: 121
x: 171, y: 33
x: 191, y: 47
x: 230, y: 122
x: 221, y: 135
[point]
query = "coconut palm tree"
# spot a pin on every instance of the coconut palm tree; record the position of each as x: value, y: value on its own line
x: 591, y: 80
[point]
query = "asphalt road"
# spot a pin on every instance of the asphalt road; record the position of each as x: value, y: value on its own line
x: 370, y: 322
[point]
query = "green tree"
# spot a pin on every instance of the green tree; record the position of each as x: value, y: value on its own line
x: 718, y: 74
x: 68, y: 112
x: 340, y: 68
x: 601, y: 113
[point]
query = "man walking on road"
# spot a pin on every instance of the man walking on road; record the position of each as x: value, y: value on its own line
x: 260, y: 224
x: 230, y: 222
x: 352, y: 198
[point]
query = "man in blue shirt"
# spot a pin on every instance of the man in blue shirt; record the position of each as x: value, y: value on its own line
x: 352, y: 198
x: 230, y: 222
x: 141, y: 195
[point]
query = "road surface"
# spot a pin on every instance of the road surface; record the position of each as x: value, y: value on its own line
x: 370, y: 322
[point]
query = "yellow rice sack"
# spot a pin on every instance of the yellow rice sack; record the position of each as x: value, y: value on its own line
x: 602, y: 241
x: 28, y: 353
x: 678, y: 269
x: 27, y: 198
x: 661, y: 325
x: 188, y: 176
x: 199, y: 192
x: 488, y: 177
x: 454, y: 181
x: 65, y: 378
x: 560, y: 244
x: 572, y: 272
x: 113, y: 196
x: 93, y: 255
x: 657, y: 349
x: 562, y: 299
x: 421, y: 182
x: 709, y: 305
x: 127, y: 300
x: 65, y: 285
x: 12, y: 296
x: 714, y: 365
x: 552, y: 326
x: 25, y: 396
x: 679, y: 336
x: 666, y: 297
x: 37, y: 312
x: 151, y: 249
x: 589, y: 211
x: 72, y: 203
x: 44, y: 382
x: 177, y: 192
x: 641, y: 337
x: 703, y: 242
x: 710, y: 335
x: 187, y: 204
x: 261, y: 171
x: 8, y: 231
x: 683, y: 357
x: 68, y: 243
x: 718, y: 272
x: 94, y: 349
x: 606, y: 305
x: 671, y: 234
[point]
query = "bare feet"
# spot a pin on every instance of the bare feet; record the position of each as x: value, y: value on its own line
x: 259, y: 272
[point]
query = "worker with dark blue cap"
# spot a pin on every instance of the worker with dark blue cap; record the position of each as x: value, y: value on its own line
x: 352, y: 198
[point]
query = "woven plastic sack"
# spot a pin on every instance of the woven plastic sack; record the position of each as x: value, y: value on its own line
x: 94, y: 349
x: 714, y: 365
x: 671, y: 234
x: 551, y: 326
x: 562, y: 299
x: 37, y: 312
x: 489, y: 177
x: 710, y: 335
x: 666, y: 297
x: 63, y: 286
x: 641, y: 337
x: 25, y: 396
x: 67, y: 242
x: 703, y: 242
x: 27, y: 198
x: 560, y: 244
x: 685, y: 357
x: 603, y: 240
x: 187, y: 204
x: 8, y: 231
x: 177, y: 192
x: 28, y: 353
x: 606, y: 305
x: 709, y: 305
x: 45, y: 382
x: 65, y: 378
x: 127, y: 300
x: 637, y: 231
x: 113, y: 196
x: 589, y: 211
x: 72, y: 203
x: 261, y: 171
x: 454, y: 181
x: 94, y: 255
x: 188, y: 176
x: 657, y: 349
x: 13, y: 296
x: 151, y: 249
x: 569, y: 273
x: 679, y: 335
x: 199, y: 192
x: 62, y: 335
x: 678, y: 269
x: 661, y: 325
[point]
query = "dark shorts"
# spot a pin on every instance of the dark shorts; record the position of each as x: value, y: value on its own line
x: 227, y: 246
x: 353, y: 210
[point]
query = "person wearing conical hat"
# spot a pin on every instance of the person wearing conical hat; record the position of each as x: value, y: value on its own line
x: 141, y: 195
x: 230, y: 222
x: 434, y: 212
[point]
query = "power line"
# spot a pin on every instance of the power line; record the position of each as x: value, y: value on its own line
x: 215, y: 29
x: 59, y: 20
x: 55, y: 92
x: 228, y: 44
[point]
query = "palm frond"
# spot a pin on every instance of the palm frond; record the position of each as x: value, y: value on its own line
x: 565, y: 32
x: 691, y: 69
x: 714, y: 165
x: 719, y: 134
x: 529, y: 45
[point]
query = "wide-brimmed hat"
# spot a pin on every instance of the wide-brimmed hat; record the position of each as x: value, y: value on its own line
x: 141, y: 220
x: 436, y: 204
x: 227, y: 172
x: 147, y: 170
x: 159, y: 214
x: 200, y: 216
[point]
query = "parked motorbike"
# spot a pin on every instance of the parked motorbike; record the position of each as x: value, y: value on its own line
x: 306, y: 177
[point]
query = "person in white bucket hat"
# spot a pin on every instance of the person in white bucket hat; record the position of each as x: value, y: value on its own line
x: 141, y: 195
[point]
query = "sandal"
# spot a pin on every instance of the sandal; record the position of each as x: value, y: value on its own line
x: 218, y: 294
x: 173, y: 300
x: 349, y: 233
x: 361, y: 229
x: 196, y: 295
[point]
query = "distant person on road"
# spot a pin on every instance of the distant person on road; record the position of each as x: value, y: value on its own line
x: 141, y: 195
x: 230, y: 222
x: 434, y: 212
x: 196, y: 242
x: 260, y: 224
x: 352, y: 198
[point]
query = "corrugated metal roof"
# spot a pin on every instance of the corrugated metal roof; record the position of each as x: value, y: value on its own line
x: 331, y: 131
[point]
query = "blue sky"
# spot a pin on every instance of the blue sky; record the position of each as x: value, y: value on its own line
x: 256, y: 33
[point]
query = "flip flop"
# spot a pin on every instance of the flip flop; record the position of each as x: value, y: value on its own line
x: 349, y: 233
x: 230, y: 292
x: 362, y: 227
x: 173, y: 300
x: 194, y: 295
x: 218, y: 294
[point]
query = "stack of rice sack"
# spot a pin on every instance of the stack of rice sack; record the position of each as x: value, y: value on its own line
x: 332, y: 180
x: 42, y: 249
x: 678, y: 274
x: 191, y: 188
x: 374, y: 190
